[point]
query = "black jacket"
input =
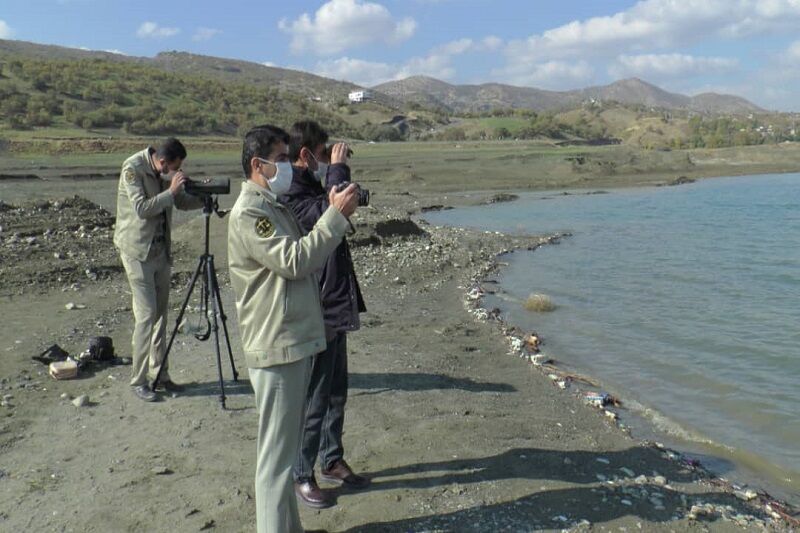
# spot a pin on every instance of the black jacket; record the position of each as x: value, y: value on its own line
x: 341, y: 295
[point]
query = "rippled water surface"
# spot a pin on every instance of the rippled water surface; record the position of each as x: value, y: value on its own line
x: 684, y: 299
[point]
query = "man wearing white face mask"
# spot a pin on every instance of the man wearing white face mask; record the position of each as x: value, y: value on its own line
x: 142, y: 236
x: 273, y: 264
x: 341, y: 304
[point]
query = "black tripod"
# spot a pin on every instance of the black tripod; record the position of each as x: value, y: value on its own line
x: 210, y: 291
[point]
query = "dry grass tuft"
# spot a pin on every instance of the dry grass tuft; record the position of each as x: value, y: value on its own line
x: 539, y: 303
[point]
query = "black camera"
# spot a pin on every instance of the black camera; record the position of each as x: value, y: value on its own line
x: 363, y: 194
x: 329, y: 151
x: 207, y: 186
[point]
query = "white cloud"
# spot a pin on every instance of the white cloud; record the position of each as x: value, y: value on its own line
x: 366, y: 73
x: 555, y: 75
x: 792, y: 54
x: 151, y: 30
x: 658, y: 24
x: 5, y: 30
x: 437, y: 63
x: 491, y: 43
x: 670, y: 65
x: 204, y: 34
x: 342, y: 24
x: 268, y: 64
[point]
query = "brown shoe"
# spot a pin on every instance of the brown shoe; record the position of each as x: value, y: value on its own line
x: 340, y: 472
x: 310, y: 494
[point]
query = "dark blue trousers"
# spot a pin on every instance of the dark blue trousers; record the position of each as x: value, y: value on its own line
x: 324, y: 420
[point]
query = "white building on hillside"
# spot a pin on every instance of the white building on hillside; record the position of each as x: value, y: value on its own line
x: 359, y: 96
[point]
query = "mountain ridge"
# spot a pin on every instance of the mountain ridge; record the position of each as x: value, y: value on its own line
x: 421, y: 90
x: 487, y: 96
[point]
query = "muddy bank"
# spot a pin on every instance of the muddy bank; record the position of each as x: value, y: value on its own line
x: 457, y: 431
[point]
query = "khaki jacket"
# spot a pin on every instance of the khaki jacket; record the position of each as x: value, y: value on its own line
x: 142, y: 197
x: 273, y: 270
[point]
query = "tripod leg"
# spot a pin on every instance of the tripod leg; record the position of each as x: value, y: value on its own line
x: 211, y: 279
x: 204, y: 309
x: 199, y: 269
x: 224, y: 326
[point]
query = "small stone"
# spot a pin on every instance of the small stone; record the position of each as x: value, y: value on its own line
x: 603, y: 460
x: 81, y: 401
x: 627, y: 471
x: 64, y: 396
x: 567, y: 461
x: 161, y: 471
x: 660, y: 480
x: 626, y: 502
x: 746, y: 495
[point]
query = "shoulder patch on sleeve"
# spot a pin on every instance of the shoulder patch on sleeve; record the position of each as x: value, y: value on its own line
x: 129, y: 174
x: 264, y: 227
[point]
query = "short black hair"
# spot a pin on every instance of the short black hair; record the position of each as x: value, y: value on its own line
x: 258, y: 142
x: 306, y: 133
x: 171, y: 149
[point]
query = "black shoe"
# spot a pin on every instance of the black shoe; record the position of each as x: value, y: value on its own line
x: 310, y: 494
x: 341, y: 473
x: 144, y: 393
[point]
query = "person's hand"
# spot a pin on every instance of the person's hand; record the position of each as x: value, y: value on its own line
x: 178, y: 180
x: 346, y: 200
x: 339, y: 153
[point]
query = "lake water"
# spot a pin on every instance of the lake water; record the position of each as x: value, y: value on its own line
x: 685, y: 301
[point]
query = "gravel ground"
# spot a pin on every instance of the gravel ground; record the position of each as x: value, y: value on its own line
x: 459, y: 424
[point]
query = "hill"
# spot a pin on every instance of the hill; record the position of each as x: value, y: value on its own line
x: 53, y: 91
x: 46, y: 86
x: 423, y: 90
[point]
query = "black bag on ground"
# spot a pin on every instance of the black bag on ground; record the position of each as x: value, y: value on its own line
x: 101, y: 348
x: 51, y: 355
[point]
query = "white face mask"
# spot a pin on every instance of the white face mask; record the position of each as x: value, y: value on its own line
x: 322, y: 169
x: 321, y: 172
x: 282, y: 180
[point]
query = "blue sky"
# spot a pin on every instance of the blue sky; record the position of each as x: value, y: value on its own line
x: 746, y: 47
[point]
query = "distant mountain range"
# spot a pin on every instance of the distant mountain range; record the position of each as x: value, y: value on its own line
x: 420, y: 90
x: 430, y: 92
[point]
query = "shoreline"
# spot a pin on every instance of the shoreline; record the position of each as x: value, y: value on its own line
x: 456, y: 435
x: 589, y: 389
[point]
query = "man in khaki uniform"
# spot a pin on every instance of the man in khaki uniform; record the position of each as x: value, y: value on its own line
x: 273, y: 269
x: 142, y: 236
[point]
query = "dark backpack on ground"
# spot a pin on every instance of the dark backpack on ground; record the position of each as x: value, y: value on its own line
x: 101, y: 348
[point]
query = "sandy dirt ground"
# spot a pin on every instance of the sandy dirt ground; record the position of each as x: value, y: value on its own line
x: 457, y: 433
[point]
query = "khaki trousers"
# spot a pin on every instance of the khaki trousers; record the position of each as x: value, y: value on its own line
x: 280, y: 395
x: 149, y: 282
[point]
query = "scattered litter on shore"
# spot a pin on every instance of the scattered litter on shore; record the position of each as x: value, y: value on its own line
x: 527, y: 346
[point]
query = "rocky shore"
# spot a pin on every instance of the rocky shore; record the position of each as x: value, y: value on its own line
x: 459, y: 421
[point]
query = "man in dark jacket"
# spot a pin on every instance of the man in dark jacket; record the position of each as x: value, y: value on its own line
x: 341, y: 304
